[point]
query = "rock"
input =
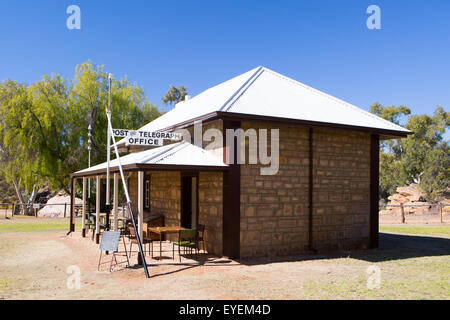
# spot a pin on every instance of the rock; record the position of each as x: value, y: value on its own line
x: 398, y: 198
x: 446, y: 209
x: 55, y: 206
x: 412, y: 197
x: 412, y: 192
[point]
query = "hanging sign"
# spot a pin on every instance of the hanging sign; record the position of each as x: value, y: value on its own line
x: 146, y: 138
x: 123, y: 133
x: 136, y: 141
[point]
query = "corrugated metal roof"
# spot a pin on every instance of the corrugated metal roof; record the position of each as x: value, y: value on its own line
x: 180, y: 153
x: 264, y: 92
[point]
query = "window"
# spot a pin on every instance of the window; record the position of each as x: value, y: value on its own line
x: 147, y: 194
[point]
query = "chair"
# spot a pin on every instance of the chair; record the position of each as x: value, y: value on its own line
x: 90, y: 224
x: 187, y: 239
x: 90, y: 221
x: 201, y: 237
x: 123, y: 228
x: 154, y: 220
x: 133, y: 239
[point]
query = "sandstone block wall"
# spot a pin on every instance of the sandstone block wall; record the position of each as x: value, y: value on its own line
x: 274, y: 209
x: 274, y: 216
x: 341, y: 189
x: 165, y: 197
x: 211, y: 210
x: 132, y: 183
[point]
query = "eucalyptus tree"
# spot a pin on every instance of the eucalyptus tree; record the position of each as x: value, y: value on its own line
x: 174, y: 95
x: 44, y: 125
x: 421, y: 158
x: 18, y: 156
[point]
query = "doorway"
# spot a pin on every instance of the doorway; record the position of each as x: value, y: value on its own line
x: 189, y: 200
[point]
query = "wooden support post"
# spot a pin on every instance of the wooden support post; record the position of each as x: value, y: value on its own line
x: 441, y: 212
x: 231, y: 189
x: 141, y: 203
x: 83, y: 210
x: 107, y: 206
x: 97, y: 209
x: 116, y: 201
x: 72, y: 204
x: 374, y: 190
x: 403, y: 213
x: 311, y: 189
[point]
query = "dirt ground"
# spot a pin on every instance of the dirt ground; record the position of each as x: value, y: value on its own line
x: 34, y: 264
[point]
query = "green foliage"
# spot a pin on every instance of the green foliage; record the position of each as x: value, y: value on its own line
x: 422, y: 157
x: 44, y: 126
x: 174, y: 95
x: 7, y: 194
x: 390, y: 113
x: 392, y: 174
x: 436, y: 177
x: 19, y: 161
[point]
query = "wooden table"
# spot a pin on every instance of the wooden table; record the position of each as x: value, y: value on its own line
x: 111, y: 216
x: 161, y: 231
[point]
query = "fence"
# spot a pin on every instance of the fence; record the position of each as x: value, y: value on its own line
x: 431, y: 210
x: 53, y: 209
x: 5, y: 207
x: 63, y: 210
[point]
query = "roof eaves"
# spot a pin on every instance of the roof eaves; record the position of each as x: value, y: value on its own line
x: 310, y: 124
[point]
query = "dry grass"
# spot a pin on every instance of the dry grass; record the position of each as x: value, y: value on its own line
x: 34, y: 260
x: 432, y: 230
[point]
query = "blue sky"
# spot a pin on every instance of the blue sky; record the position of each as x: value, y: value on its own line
x: 198, y: 43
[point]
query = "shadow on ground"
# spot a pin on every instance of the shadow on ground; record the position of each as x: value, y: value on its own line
x: 399, y: 246
x: 391, y: 247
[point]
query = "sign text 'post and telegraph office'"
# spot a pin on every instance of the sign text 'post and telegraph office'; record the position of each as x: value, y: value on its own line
x: 145, y: 138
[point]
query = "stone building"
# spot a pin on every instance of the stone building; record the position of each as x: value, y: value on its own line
x: 323, y: 194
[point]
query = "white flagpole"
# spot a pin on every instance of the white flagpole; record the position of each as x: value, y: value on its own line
x: 122, y: 176
x: 108, y: 112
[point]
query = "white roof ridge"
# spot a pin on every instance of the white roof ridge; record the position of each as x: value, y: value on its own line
x: 241, y: 89
x: 244, y: 88
x: 342, y: 102
x: 262, y: 91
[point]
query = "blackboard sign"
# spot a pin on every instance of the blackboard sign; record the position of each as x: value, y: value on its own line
x: 110, y: 241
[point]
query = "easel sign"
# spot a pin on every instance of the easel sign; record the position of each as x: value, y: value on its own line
x: 110, y: 243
